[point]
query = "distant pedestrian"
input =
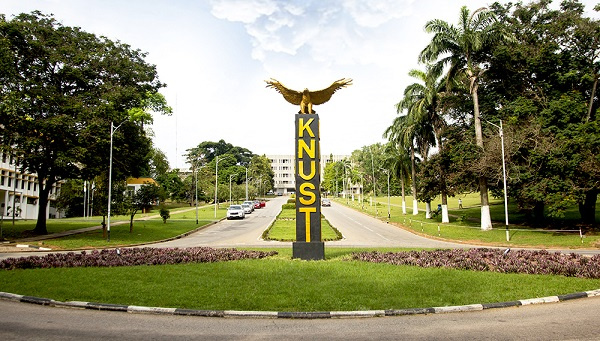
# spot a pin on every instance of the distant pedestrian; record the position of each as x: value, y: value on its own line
x: 459, y: 203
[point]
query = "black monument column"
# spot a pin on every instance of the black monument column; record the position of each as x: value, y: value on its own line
x: 308, y: 245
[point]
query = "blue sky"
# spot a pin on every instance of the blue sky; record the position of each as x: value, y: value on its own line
x: 215, y: 55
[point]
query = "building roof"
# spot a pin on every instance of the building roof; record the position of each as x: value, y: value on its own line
x: 141, y: 181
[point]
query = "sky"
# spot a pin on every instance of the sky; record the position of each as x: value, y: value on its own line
x: 214, y: 56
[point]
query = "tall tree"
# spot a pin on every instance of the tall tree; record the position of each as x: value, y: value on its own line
x: 400, y: 165
x: 422, y: 100
x: 60, y: 90
x: 402, y: 132
x: 463, y: 48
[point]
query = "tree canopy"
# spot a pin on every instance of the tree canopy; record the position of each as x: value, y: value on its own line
x: 536, y: 69
x: 60, y: 90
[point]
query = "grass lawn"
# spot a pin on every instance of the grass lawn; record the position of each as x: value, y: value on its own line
x: 284, y: 228
x: 144, y: 231
x: 282, y: 284
x: 23, y: 228
x: 464, y: 223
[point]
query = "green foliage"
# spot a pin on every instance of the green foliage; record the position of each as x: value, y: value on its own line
x: 533, y: 68
x: 289, y: 205
x: 164, y: 214
x: 62, y: 91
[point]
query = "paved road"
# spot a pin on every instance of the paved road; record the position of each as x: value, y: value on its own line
x: 236, y: 233
x: 571, y: 320
x: 575, y: 320
x: 360, y: 230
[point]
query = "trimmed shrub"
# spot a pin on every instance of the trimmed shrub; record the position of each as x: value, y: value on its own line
x: 131, y: 257
x: 505, y: 261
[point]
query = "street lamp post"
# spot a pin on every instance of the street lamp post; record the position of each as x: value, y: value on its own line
x: 347, y: 166
x: 196, y: 169
x: 246, y: 183
x: 216, y: 178
x: 501, y: 132
x: 112, y: 131
x: 374, y: 182
x: 388, y: 192
x: 230, y: 176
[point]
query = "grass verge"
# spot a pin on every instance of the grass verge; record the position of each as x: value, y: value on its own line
x: 284, y: 228
x: 144, y: 231
x: 282, y: 284
x: 464, y: 226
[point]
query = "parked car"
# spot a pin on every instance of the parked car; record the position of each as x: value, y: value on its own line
x: 249, y: 203
x: 325, y: 202
x: 235, y: 211
x: 256, y: 204
x: 247, y: 208
x: 262, y: 204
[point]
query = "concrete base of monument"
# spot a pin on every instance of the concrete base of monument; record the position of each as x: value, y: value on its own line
x: 308, y: 251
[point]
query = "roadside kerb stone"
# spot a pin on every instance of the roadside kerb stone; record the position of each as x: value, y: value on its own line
x: 150, y: 310
x: 549, y: 299
x: 293, y: 315
x: 453, y: 309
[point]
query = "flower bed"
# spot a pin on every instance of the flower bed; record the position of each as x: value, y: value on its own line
x: 505, y: 261
x: 130, y: 257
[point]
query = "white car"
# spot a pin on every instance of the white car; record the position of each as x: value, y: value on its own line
x: 236, y: 212
x: 247, y: 208
x: 251, y: 204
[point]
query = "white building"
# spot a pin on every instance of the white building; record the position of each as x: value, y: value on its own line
x: 19, y: 192
x: 283, y: 167
x: 284, y: 179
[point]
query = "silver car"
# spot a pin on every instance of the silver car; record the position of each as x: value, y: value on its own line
x: 247, y: 208
x: 236, y: 212
x: 251, y: 204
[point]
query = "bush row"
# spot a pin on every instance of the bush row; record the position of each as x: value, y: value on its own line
x: 505, y: 261
x: 130, y: 257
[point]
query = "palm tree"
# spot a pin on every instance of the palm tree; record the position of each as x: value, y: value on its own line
x: 427, y: 95
x: 460, y: 47
x: 399, y: 163
x: 411, y: 132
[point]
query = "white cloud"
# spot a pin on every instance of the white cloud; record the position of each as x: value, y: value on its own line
x: 333, y: 31
x: 244, y: 11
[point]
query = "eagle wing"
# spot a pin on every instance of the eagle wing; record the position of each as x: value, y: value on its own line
x: 322, y: 96
x: 292, y: 96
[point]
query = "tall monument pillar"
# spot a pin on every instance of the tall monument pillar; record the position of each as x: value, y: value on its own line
x: 308, y: 244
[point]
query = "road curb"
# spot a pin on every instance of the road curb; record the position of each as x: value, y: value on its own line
x: 292, y: 315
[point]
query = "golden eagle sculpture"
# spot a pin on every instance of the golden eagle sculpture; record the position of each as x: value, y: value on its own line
x: 306, y: 99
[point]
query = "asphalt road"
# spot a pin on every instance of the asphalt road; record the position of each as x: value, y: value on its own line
x: 571, y: 320
x: 359, y: 230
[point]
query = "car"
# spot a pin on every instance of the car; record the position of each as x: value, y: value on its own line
x: 235, y: 212
x: 325, y: 202
x: 262, y: 204
x: 249, y: 203
x: 247, y: 208
x: 257, y: 204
